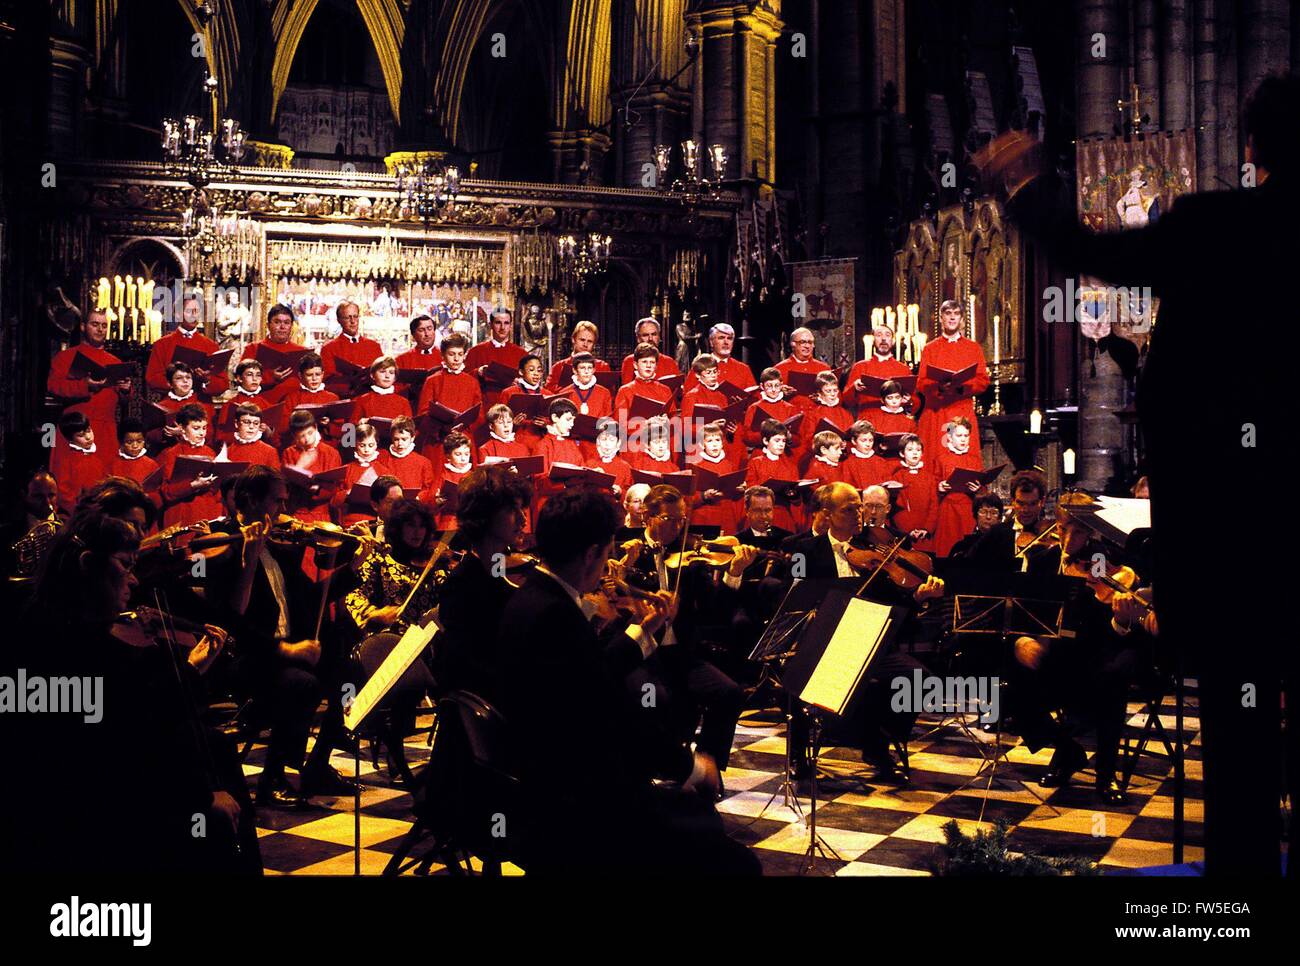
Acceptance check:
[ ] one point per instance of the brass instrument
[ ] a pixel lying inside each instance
(30, 549)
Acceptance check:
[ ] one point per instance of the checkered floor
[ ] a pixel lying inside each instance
(874, 828)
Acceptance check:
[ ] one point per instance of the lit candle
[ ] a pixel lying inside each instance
(902, 318)
(970, 314)
(1067, 462)
(914, 318)
(1035, 422)
(877, 318)
(866, 345)
(112, 318)
(119, 291)
(889, 316)
(996, 353)
(102, 294)
(920, 339)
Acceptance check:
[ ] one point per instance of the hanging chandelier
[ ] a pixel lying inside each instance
(695, 184)
(584, 258)
(425, 185)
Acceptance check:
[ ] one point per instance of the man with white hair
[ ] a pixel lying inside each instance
(647, 331)
(722, 340)
(800, 359)
(881, 365)
(350, 346)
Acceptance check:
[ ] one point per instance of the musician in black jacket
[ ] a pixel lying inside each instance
(581, 744)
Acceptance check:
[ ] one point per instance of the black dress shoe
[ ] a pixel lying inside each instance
(1067, 759)
(278, 794)
(327, 781)
(883, 763)
(1110, 792)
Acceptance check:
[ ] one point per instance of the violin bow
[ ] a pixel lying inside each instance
(884, 562)
(443, 543)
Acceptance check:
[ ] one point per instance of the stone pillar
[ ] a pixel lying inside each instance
(664, 118)
(571, 149)
(1101, 435)
(1146, 68)
(1265, 42)
(1175, 98)
(69, 61)
(1206, 92)
(1229, 151)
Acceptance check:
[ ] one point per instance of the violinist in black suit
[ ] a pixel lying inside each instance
(584, 749)
(1004, 545)
(1211, 256)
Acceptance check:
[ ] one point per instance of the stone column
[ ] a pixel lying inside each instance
(1175, 106)
(1146, 68)
(1265, 42)
(1206, 92)
(1229, 151)
(1101, 435)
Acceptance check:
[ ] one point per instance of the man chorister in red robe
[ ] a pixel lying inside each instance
(956, 510)
(94, 397)
(644, 384)
(458, 463)
(918, 500)
(368, 462)
(412, 468)
(862, 465)
(591, 398)
(80, 464)
(770, 404)
(248, 443)
(349, 345)
(192, 500)
(382, 399)
(187, 333)
(496, 348)
(454, 387)
(279, 329)
(423, 353)
(647, 333)
(712, 507)
(132, 461)
(583, 340)
(529, 383)
(309, 452)
(799, 360)
(953, 352)
(881, 365)
(722, 339)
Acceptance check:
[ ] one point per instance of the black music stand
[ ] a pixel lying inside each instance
(992, 607)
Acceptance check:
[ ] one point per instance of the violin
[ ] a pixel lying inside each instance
(904, 567)
(718, 552)
(1049, 539)
(1103, 578)
(148, 627)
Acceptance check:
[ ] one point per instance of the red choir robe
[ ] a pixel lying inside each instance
(558, 372)
(642, 460)
(956, 518)
(952, 356)
(862, 403)
(593, 401)
(262, 400)
(457, 391)
(779, 410)
(918, 502)
(648, 388)
(814, 413)
(552, 450)
(360, 353)
(762, 468)
(497, 448)
(384, 405)
(181, 502)
(268, 377)
(76, 470)
(617, 467)
(701, 395)
(444, 518)
(507, 354)
(730, 370)
(74, 394)
(823, 472)
(416, 359)
(159, 440)
(886, 423)
(139, 469)
(413, 470)
(864, 471)
(258, 452)
(810, 368)
(526, 433)
(303, 504)
(163, 351)
(348, 513)
(724, 513)
(666, 365)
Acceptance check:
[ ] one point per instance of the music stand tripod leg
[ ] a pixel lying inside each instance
(816, 844)
(789, 794)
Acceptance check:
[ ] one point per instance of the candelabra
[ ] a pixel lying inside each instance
(426, 185)
(584, 258)
(694, 185)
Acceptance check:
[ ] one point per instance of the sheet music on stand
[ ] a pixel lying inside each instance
(836, 650)
(780, 637)
(401, 657)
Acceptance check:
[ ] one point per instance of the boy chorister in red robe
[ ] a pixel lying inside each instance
(825, 405)
(131, 460)
(827, 449)
(279, 327)
(651, 448)
(180, 392)
(956, 512)
(583, 340)
(366, 459)
(607, 458)
(772, 463)
(248, 444)
(349, 345)
(771, 404)
(706, 393)
(953, 352)
(161, 353)
(890, 417)
(722, 339)
(309, 388)
(918, 500)
(80, 463)
(189, 501)
(647, 331)
(382, 400)
(413, 469)
(644, 384)
(862, 466)
(712, 507)
(86, 395)
(457, 464)
(423, 353)
(496, 348)
(309, 452)
(591, 398)
(881, 365)
(454, 387)
(502, 443)
(529, 432)
(557, 447)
